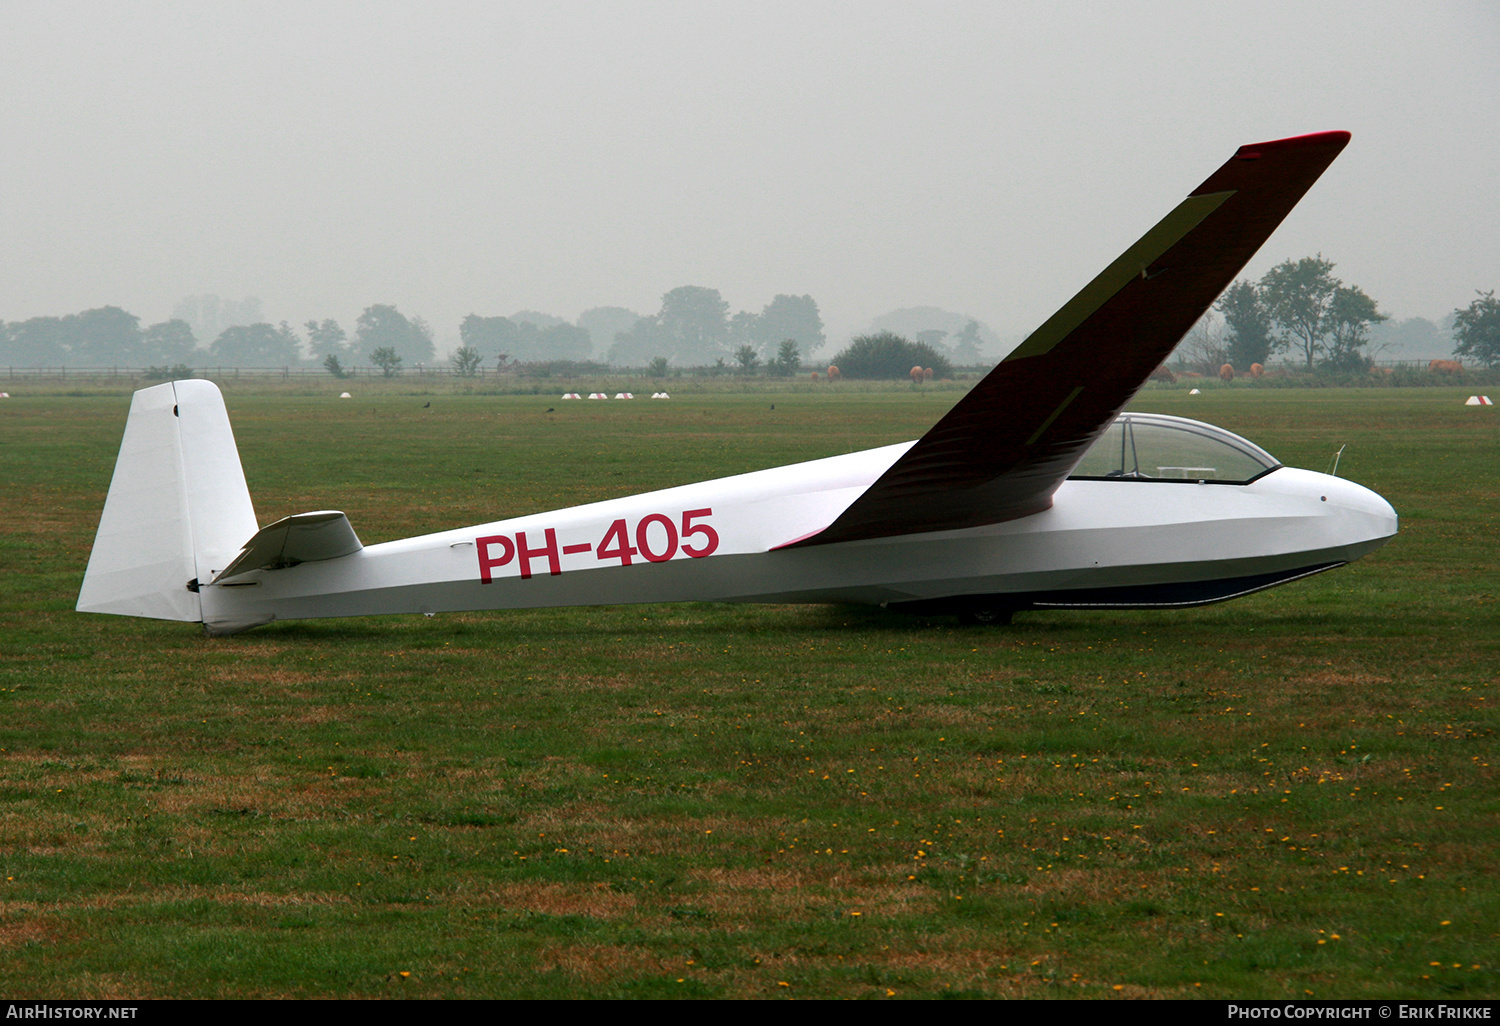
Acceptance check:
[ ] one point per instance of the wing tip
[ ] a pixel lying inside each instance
(1336, 139)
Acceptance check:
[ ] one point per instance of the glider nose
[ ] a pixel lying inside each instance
(1370, 508)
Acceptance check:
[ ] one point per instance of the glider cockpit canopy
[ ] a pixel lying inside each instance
(1157, 447)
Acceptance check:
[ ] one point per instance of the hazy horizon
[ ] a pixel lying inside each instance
(461, 158)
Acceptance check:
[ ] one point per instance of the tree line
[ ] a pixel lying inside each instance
(1301, 309)
(111, 337)
(692, 327)
(1298, 307)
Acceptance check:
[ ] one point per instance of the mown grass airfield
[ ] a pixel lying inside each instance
(1290, 795)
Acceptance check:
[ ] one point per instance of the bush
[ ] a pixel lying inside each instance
(560, 369)
(888, 356)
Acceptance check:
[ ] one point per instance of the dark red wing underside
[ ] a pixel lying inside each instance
(1011, 441)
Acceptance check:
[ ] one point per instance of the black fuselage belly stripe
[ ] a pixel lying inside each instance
(1170, 596)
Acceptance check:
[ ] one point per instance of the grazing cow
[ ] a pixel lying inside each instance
(1226, 372)
(833, 371)
(1445, 367)
(1257, 369)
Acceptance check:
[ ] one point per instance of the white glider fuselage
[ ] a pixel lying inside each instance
(722, 540)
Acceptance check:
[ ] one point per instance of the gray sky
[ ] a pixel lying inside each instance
(456, 158)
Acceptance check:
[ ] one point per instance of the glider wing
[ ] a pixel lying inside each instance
(1004, 449)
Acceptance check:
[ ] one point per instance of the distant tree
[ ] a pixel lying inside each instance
(888, 356)
(208, 315)
(466, 361)
(645, 340)
(788, 361)
(1412, 338)
(1316, 313)
(103, 337)
(603, 323)
(255, 345)
(385, 327)
(657, 368)
(695, 320)
(745, 330)
(1297, 296)
(747, 358)
(541, 320)
(326, 339)
(966, 344)
(561, 341)
(422, 337)
(1349, 317)
(908, 321)
(387, 359)
(790, 317)
(38, 342)
(332, 365)
(169, 341)
(290, 337)
(1205, 347)
(1476, 330)
(489, 335)
(1249, 324)
(932, 337)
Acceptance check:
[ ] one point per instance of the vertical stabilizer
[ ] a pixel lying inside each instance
(178, 509)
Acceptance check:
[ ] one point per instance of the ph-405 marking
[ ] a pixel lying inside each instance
(657, 539)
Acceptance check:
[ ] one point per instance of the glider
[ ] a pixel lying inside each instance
(1034, 491)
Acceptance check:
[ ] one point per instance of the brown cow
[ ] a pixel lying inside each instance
(1257, 369)
(1445, 367)
(1227, 373)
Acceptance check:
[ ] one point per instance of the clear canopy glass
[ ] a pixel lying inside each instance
(1156, 447)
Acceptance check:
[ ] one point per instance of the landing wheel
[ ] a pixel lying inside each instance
(985, 616)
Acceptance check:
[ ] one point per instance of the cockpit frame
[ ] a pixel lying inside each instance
(1161, 448)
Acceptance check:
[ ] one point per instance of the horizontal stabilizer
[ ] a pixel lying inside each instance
(300, 538)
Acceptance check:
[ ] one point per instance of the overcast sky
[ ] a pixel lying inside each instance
(456, 158)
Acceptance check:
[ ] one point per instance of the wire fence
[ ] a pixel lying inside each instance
(221, 373)
(512, 372)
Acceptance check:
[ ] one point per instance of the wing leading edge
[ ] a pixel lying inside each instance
(1004, 449)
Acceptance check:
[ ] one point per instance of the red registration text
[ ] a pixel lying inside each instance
(654, 538)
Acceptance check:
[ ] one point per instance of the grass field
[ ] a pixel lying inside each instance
(1289, 795)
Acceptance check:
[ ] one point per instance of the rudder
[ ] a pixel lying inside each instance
(178, 509)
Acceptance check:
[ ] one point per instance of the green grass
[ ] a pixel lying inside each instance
(1286, 795)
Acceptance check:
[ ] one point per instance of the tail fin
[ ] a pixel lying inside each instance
(178, 509)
